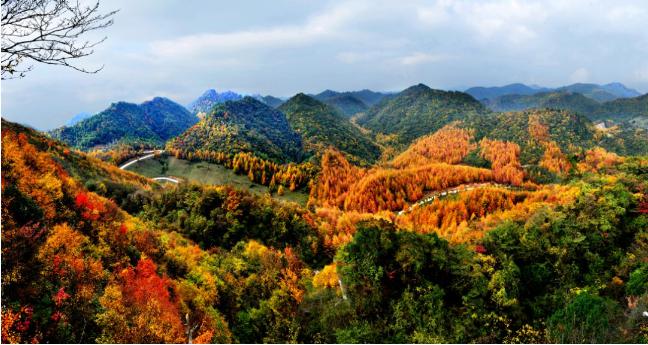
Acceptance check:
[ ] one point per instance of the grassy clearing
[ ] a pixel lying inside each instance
(207, 173)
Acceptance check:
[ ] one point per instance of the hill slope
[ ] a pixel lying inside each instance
(634, 109)
(367, 97)
(571, 131)
(482, 93)
(152, 122)
(322, 126)
(420, 110)
(270, 100)
(246, 125)
(623, 109)
(346, 104)
(558, 100)
(601, 93)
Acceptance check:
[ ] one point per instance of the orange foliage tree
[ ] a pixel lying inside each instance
(598, 158)
(554, 160)
(140, 309)
(504, 158)
(449, 145)
(337, 227)
(292, 176)
(445, 215)
(335, 178)
(393, 189)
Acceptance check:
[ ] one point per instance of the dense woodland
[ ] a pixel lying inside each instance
(150, 123)
(445, 223)
(247, 125)
(321, 126)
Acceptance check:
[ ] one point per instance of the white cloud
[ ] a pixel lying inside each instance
(580, 75)
(352, 57)
(420, 58)
(288, 46)
(326, 25)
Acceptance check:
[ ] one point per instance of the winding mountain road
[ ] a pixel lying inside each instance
(454, 190)
(150, 154)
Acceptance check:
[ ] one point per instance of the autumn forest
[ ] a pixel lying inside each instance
(514, 214)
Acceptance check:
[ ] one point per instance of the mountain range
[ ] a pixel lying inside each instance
(420, 110)
(420, 217)
(276, 130)
(600, 93)
(245, 125)
(209, 98)
(152, 122)
(350, 103)
(321, 126)
(269, 100)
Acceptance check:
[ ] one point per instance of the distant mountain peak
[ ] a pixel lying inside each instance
(211, 97)
(600, 93)
(302, 97)
(78, 118)
(420, 87)
(244, 125)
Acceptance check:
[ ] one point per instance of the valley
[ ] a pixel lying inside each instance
(206, 173)
(415, 216)
(324, 172)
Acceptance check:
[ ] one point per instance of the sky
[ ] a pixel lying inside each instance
(178, 49)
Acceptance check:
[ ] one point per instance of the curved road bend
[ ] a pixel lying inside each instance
(149, 154)
(454, 190)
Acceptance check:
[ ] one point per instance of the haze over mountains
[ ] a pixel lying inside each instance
(272, 206)
(596, 92)
(268, 125)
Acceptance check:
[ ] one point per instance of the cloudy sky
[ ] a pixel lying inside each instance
(178, 49)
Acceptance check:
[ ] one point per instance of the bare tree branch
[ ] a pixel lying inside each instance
(48, 32)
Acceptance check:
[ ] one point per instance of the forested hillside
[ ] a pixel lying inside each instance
(419, 110)
(451, 241)
(596, 92)
(152, 123)
(247, 125)
(365, 96)
(619, 110)
(624, 109)
(557, 100)
(322, 126)
(270, 100)
(349, 103)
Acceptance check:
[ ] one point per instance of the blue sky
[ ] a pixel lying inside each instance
(177, 49)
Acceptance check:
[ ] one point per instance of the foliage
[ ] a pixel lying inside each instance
(246, 125)
(475, 263)
(587, 319)
(259, 170)
(321, 126)
(419, 110)
(150, 123)
(221, 216)
(449, 145)
(504, 160)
